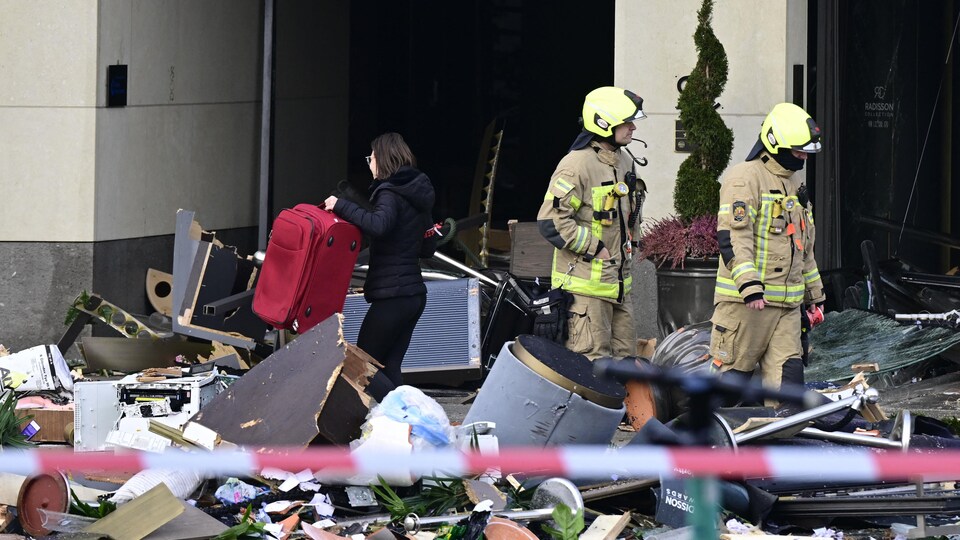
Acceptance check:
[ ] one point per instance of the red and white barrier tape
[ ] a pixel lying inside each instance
(570, 462)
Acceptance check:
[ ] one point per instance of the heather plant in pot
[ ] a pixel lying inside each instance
(672, 241)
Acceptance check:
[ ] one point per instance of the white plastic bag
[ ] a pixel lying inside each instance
(429, 425)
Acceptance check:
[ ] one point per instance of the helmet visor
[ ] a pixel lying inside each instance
(811, 147)
(635, 116)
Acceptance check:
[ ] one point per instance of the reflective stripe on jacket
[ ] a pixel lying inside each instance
(766, 237)
(571, 216)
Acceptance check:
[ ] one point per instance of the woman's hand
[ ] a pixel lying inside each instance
(330, 203)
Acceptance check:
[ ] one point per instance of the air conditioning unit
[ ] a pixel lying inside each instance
(447, 337)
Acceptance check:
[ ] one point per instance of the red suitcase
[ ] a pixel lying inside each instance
(307, 268)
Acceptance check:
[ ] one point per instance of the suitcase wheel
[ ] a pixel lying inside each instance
(307, 312)
(329, 241)
(353, 245)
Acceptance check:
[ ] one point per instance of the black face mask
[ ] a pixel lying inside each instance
(787, 161)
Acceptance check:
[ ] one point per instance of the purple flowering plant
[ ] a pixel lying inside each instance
(673, 239)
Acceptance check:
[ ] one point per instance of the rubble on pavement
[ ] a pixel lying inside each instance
(149, 389)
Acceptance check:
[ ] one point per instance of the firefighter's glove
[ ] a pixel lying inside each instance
(551, 311)
(815, 314)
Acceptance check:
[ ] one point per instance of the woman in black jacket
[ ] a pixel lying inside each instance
(402, 201)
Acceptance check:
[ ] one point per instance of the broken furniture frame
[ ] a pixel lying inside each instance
(91, 307)
(861, 397)
(199, 310)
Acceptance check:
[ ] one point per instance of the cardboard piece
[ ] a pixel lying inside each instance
(53, 423)
(141, 516)
(283, 400)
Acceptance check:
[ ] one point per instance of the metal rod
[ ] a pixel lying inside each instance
(805, 416)
(547, 496)
(464, 268)
(844, 437)
(414, 523)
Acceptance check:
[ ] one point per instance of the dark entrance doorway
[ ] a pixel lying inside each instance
(888, 101)
(438, 72)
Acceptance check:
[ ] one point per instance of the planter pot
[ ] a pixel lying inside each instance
(685, 295)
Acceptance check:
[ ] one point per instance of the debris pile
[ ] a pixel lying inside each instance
(168, 407)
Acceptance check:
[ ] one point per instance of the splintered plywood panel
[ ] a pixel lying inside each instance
(292, 397)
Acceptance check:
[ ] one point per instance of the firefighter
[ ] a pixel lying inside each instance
(590, 214)
(765, 232)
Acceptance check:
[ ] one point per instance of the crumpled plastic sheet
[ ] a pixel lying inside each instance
(235, 491)
(181, 484)
(854, 336)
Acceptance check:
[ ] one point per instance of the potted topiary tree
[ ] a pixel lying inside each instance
(688, 240)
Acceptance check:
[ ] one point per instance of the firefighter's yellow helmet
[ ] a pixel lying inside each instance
(607, 107)
(789, 126)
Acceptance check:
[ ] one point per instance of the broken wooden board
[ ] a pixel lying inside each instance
(191, 247)
(159, 287)
(872, 367)
(606, 527)
(282, 401)
(478, 491)
(141, 516)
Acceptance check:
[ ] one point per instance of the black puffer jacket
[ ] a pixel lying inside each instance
(402, 211)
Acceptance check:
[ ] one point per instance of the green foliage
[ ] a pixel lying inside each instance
(396, 506)
(247, 528)
(80, 508)
(11, 434)
(73, 312)
(697, 191)
(441, 495)
(568, 524)
(451, 532)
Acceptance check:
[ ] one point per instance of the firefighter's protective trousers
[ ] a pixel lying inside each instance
(766, 241)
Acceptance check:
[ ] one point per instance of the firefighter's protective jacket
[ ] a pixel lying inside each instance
(572, 219)
(766, 237)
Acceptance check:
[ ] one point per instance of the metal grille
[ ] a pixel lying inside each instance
(448, 333)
